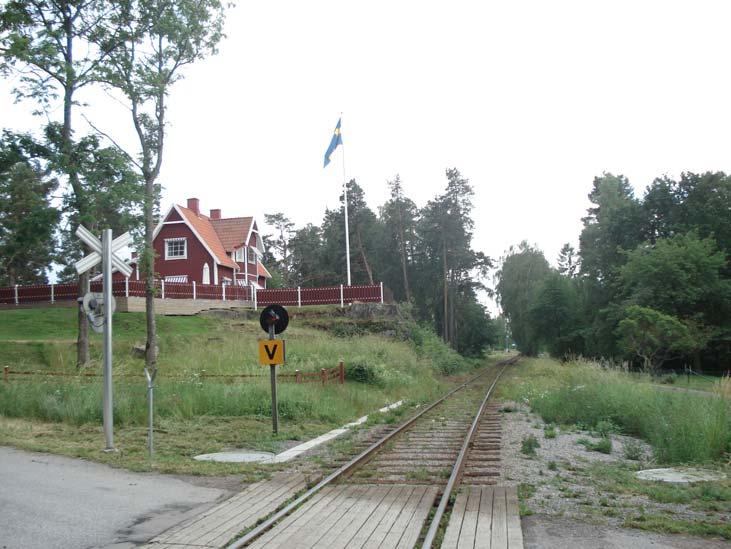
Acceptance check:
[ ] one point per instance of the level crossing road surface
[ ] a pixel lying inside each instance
(52, 501)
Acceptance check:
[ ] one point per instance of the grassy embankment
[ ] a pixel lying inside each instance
(195, 414)
(683, 428)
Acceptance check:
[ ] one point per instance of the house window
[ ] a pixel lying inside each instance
(252, 254)
(240, 255)
(206, 279)
(176, 248)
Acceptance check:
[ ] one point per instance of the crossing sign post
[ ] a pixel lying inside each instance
(103, 251)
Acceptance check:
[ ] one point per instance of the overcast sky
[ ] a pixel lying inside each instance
(528, 99)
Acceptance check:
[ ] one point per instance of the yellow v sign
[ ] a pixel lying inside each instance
(271, 351)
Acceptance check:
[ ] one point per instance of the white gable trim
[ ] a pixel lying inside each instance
(259, 244)
(192, 229)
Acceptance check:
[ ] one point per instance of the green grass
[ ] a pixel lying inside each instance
(681, 427)
(199, 414)
(603, 445)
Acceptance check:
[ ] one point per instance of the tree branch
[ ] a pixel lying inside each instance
(116, 145)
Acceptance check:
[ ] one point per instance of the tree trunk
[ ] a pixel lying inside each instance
(149, 257)
(445, 320)
(363, 255)
(402, 246)
(82, 341)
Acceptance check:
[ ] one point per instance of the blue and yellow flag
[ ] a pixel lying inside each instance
(336, 140)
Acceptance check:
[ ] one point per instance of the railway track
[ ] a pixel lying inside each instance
(400, 476)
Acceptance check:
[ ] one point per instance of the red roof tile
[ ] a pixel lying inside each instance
(232, 231)
(202, 224)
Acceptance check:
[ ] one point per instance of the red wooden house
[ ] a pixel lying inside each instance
(191, 246)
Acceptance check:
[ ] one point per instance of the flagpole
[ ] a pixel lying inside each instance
(345, 205)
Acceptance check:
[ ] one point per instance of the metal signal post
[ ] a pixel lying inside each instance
(273, 320)
(273, 381)
(107, 289)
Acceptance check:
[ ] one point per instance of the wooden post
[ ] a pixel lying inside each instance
(126, 286)
(52, 295)
(341, 372)
(194, 289)
(341, 295)
(6, 374)
(163, 287)
(381, 292)
(323, 376)
(16, 294)
(223, 289)
(299, 297)
(297, 376)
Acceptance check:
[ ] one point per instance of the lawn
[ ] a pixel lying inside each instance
(196, 414)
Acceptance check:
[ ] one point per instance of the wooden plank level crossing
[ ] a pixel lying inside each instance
(484, 517)
(218, 525)
(350, 516)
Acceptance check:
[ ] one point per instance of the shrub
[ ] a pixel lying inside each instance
(605, 427)
(359, 369)
(529, 445)
(549, 432)
(633, 449)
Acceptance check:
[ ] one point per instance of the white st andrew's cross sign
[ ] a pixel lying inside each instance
(95, 256)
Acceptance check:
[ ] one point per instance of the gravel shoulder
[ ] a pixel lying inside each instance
(564, 495)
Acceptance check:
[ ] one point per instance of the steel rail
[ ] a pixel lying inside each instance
(353, 463)
(455, 477)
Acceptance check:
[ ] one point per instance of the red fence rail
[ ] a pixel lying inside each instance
(329, 295)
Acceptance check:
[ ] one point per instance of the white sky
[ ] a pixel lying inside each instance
(528, 99)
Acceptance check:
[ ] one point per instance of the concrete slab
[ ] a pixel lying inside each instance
(680, 475)
(243, 455)
(237, 456)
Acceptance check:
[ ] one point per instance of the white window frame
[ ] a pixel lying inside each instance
(240, 255)
(252, 254)
(168, 257)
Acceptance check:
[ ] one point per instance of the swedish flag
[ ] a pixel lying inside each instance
(336, 140)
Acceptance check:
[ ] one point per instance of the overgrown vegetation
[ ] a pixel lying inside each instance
(682, 427)
(379, 370)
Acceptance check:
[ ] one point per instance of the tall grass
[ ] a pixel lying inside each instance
(379, 370)
(79, 402)
(682, 427)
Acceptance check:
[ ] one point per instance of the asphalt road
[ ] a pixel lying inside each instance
(52, 501)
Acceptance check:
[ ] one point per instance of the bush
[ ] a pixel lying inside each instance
(529, 445)
(361, 370)
(633, 450)
(605, 427)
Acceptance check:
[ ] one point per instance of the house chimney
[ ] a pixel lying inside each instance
(193, 204)
(216, 214)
